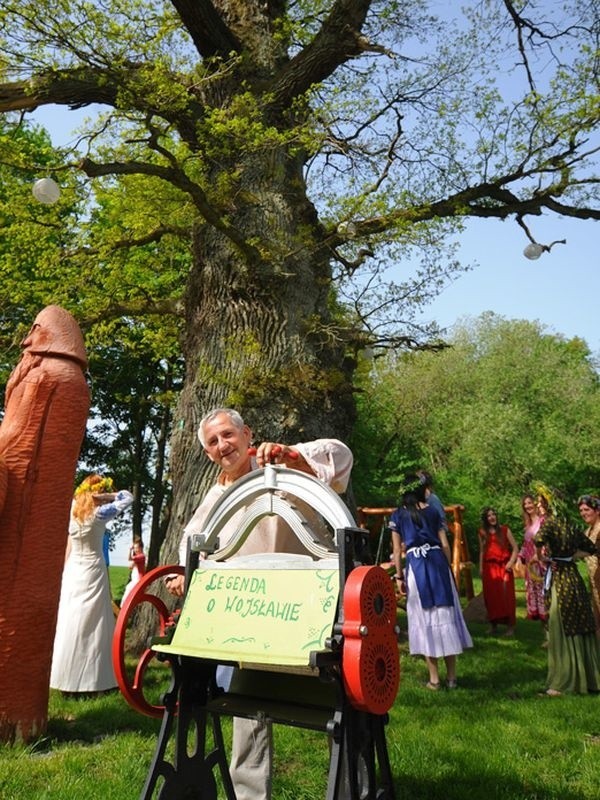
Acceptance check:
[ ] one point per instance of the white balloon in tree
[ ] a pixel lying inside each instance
(533, 251)
(46, 191)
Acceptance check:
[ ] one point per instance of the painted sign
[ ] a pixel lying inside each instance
(268, 616)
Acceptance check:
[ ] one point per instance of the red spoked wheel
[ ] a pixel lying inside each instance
(132, 688)
(370, 659)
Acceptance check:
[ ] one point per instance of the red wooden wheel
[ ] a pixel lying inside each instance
(370, 660)
(133, 688)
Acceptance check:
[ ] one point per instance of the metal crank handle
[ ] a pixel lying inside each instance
(293, 454)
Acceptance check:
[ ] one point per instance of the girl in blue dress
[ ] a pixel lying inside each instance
(436, 627)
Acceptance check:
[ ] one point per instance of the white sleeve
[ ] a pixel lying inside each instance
(196, 523)
(330, 460)
(123, 500)
(108, 511)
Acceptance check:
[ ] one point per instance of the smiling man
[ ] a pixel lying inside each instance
(226, 440)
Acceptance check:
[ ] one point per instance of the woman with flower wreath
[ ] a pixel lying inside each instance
(82, 661)
(535, 569)
(573, 650)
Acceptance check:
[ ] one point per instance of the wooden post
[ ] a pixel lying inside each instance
(461, 561)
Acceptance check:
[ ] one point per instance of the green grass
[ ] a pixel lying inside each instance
(494, 737)
(118, 576)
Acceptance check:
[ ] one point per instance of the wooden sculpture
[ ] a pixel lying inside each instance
(46, 408)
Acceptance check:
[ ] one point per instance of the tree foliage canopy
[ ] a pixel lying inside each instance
(406, 122)
(52, 255)
(507, 404)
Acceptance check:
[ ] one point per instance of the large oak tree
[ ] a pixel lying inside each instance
(304, 149)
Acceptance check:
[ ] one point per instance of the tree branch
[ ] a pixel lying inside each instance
(206, 26)
(74, 88)
(474, 202)
(82, 86)
(140, 307)
(180, 180)
(122, 244)
(339, 40)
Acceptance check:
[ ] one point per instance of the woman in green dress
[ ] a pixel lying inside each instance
(573, 651)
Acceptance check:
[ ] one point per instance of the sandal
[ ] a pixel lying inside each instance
(432, 686)
(451, 684)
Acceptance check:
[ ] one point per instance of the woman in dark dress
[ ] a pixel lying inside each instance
(573, 653)
(436, 627)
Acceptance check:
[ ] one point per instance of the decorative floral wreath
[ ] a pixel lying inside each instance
(591, 500)
(540, 489)
(103, 486)
(554, 499)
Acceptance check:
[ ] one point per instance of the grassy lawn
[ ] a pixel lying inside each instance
(494, 737)
(118, 580)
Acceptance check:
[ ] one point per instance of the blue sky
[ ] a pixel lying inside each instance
(561, 289)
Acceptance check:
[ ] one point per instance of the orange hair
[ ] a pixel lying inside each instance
(83, 505)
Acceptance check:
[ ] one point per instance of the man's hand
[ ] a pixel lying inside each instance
(273, 453)
(276, 453)
(174, 585)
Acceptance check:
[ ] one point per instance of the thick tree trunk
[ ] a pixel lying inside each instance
(160, 502)
(255, 334)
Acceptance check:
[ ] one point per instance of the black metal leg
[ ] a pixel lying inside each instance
(387, 791)
(159, 767)
(191, 776)
(358, 748)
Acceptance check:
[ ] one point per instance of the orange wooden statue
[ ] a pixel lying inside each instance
(46, 408)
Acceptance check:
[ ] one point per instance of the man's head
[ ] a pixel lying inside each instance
(226, 439)
(234, 416)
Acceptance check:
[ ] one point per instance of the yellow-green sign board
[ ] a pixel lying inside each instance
(262, 616)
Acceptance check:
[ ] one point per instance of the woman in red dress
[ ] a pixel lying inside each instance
(498, 552)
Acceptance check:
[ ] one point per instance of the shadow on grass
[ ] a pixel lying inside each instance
(91, 719)
(512, 666)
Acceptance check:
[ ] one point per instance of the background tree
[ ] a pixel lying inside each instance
(133, 396)
(32, 234)
(302, 144)
(506, 404)
(58, 254)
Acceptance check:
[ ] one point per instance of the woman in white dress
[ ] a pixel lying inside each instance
(82, 660)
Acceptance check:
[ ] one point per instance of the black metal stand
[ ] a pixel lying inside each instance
(359, 767)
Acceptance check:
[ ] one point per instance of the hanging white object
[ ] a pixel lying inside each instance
(46, 191)
(533, 251)
(347, 230)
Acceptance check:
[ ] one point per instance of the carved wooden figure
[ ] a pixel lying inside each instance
(46, 408)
